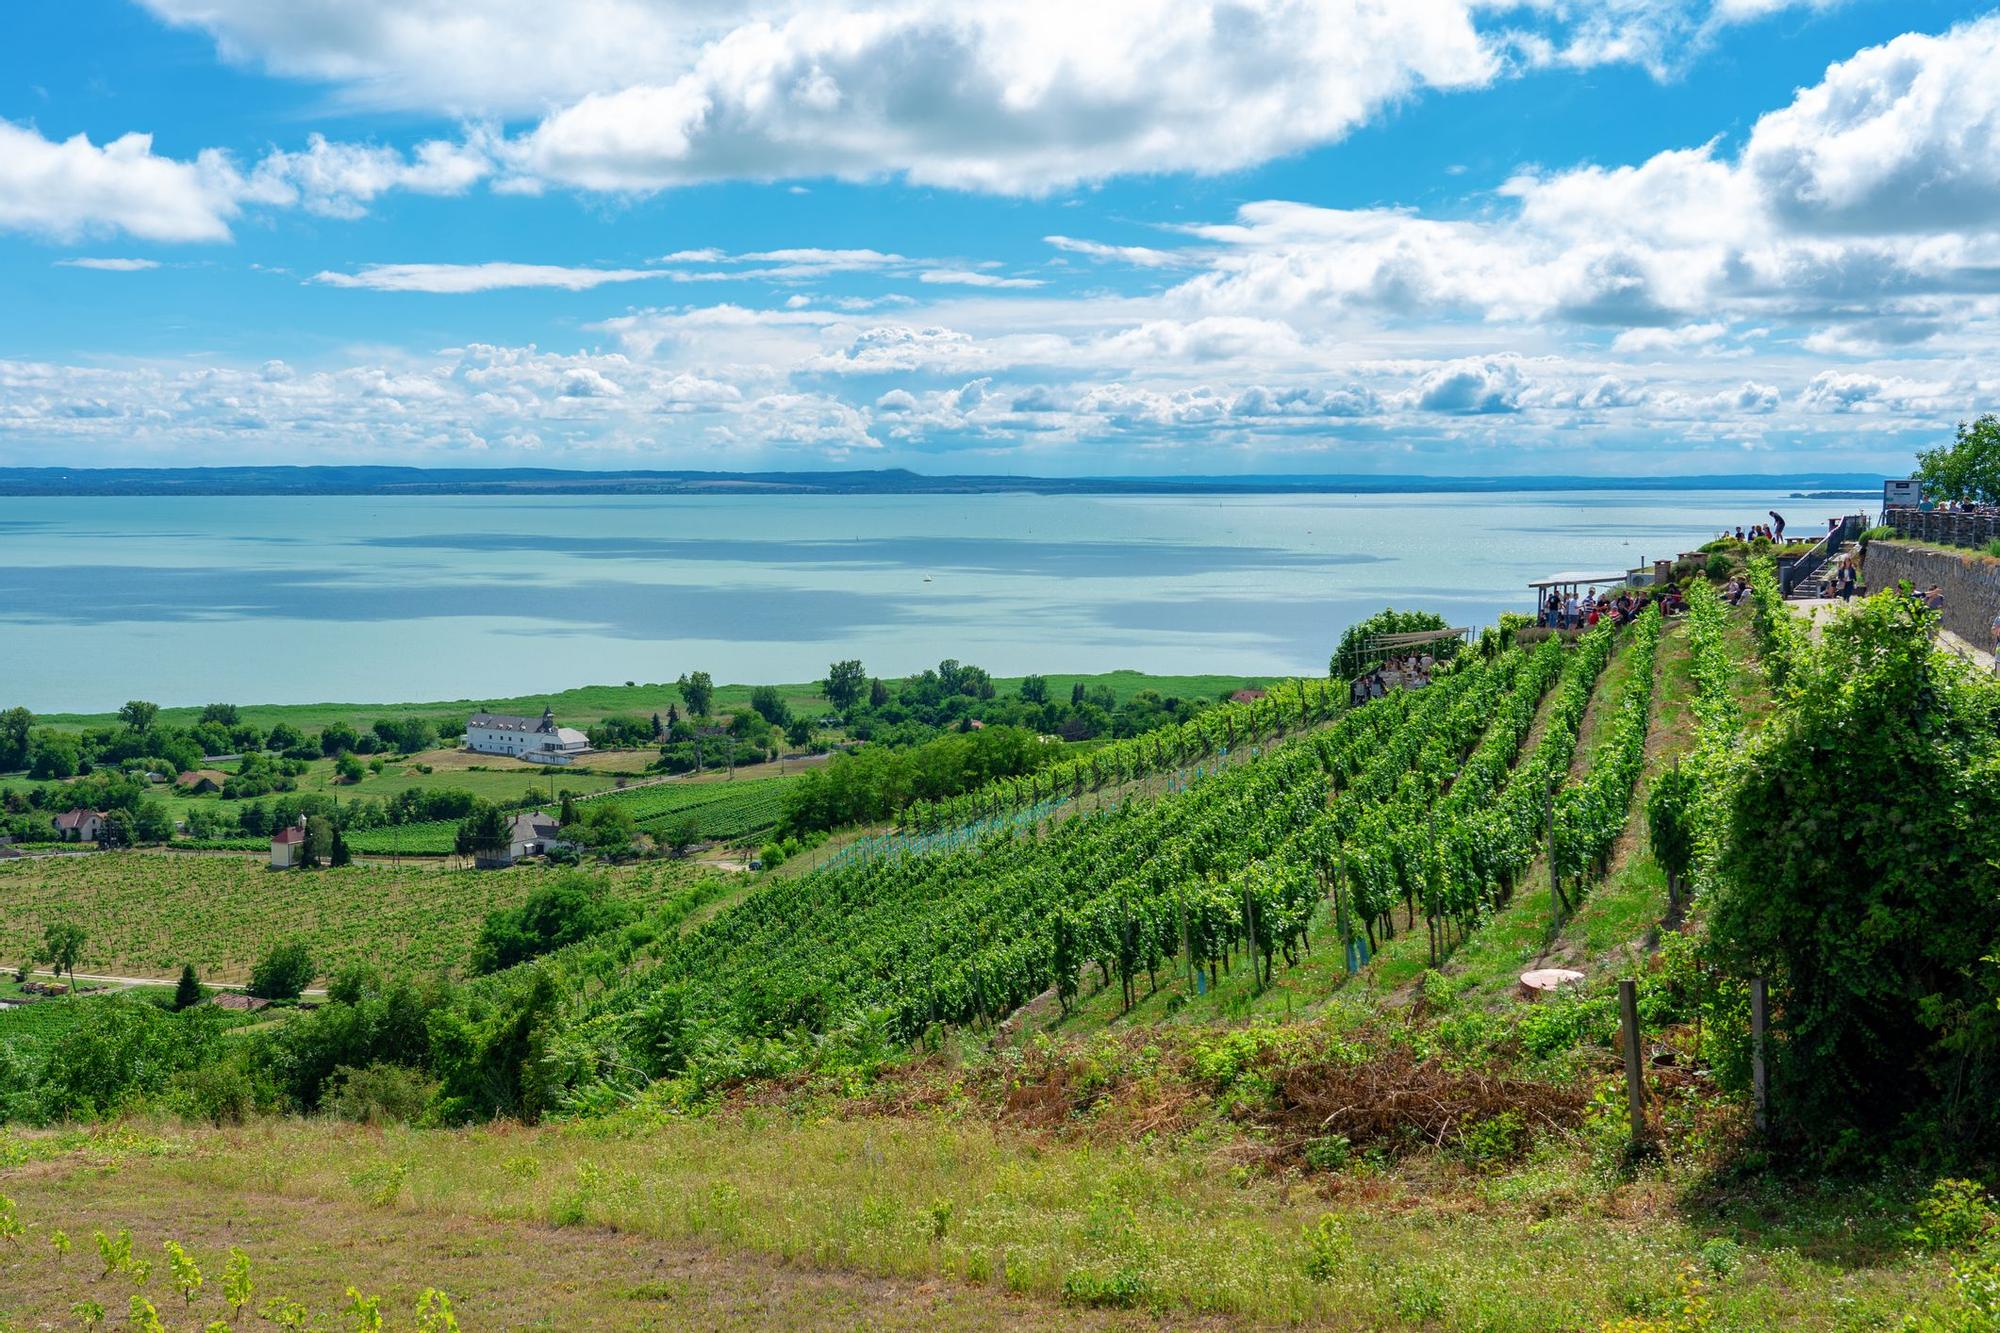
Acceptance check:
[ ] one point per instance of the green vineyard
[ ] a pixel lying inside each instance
(1422, 806)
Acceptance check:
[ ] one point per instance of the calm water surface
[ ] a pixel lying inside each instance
(187, 599)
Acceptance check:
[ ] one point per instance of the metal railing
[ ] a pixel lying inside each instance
(1798, 571)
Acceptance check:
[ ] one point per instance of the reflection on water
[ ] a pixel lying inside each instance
(190, 599)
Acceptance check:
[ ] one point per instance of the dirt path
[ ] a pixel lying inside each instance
(499, 1275)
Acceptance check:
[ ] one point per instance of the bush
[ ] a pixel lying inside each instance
(571, 908)
(1718, 568)
(283, 973)
(1856, 876)
(380, 1094)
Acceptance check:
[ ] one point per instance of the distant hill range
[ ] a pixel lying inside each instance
(558, 481)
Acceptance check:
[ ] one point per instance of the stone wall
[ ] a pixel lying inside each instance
(1971, 583)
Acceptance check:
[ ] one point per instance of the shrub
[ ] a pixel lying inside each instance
(1856, 876)
(1718, 567)
(1954, 1215)
(380, 1094)
(284, 972)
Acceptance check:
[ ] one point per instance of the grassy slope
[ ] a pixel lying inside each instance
(499, 1274)
(798, 1198)
(588, 703)
(145, 914)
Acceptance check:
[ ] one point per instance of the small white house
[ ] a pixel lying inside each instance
(80, 825)
(288, 846)
(536, 740)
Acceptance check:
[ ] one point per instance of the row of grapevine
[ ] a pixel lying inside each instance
(1591, 812)
(1781, 636)
(1293, 705)
(1684, 810)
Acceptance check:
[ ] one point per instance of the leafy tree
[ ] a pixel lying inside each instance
(1969, 467)
(878, 693)
(223, 715)
(699, 691)
(336, 737)
(118, 829)
(284, 736)
(406, 735)
(608, 827)
(62, 945)
(1076, 694)
(348, 768)
(319, 839)
(138, 715)
(683, 833)
(771, 705)
(1035, 689)
(844, 684)
(53, 754)
(484, 832)
(284, 972)
(571, 908)
(15, 725)
(188, 993)
(1350, 658)
(151, 822)
(799, 732)
(568, 817)
(1857, 876)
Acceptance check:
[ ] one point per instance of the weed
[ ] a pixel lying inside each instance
(1722, 1256)
(1120, 1290)
(1956, 1213)
(1327, 1247)
(1331, 1153)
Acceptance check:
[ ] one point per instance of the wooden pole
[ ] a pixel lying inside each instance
(1759, 1076)
(1635, 1076)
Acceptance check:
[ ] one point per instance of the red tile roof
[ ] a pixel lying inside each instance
(284, 837)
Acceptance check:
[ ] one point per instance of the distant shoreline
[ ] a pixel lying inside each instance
(388, 481)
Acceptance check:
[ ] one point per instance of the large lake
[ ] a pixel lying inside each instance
(186, 600)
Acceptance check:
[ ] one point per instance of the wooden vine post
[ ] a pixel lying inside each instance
(1635, 1076)
(1760, 1083)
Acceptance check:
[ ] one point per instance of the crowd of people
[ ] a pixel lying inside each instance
(1568, 611)
(1411, 671)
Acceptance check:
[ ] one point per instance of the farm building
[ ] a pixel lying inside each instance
(248, 1004)
(537, 740)
(80, 825)
(197, 781)
(288, 846)
(531, 833)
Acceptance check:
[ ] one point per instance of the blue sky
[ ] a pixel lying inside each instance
(1447, 236)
